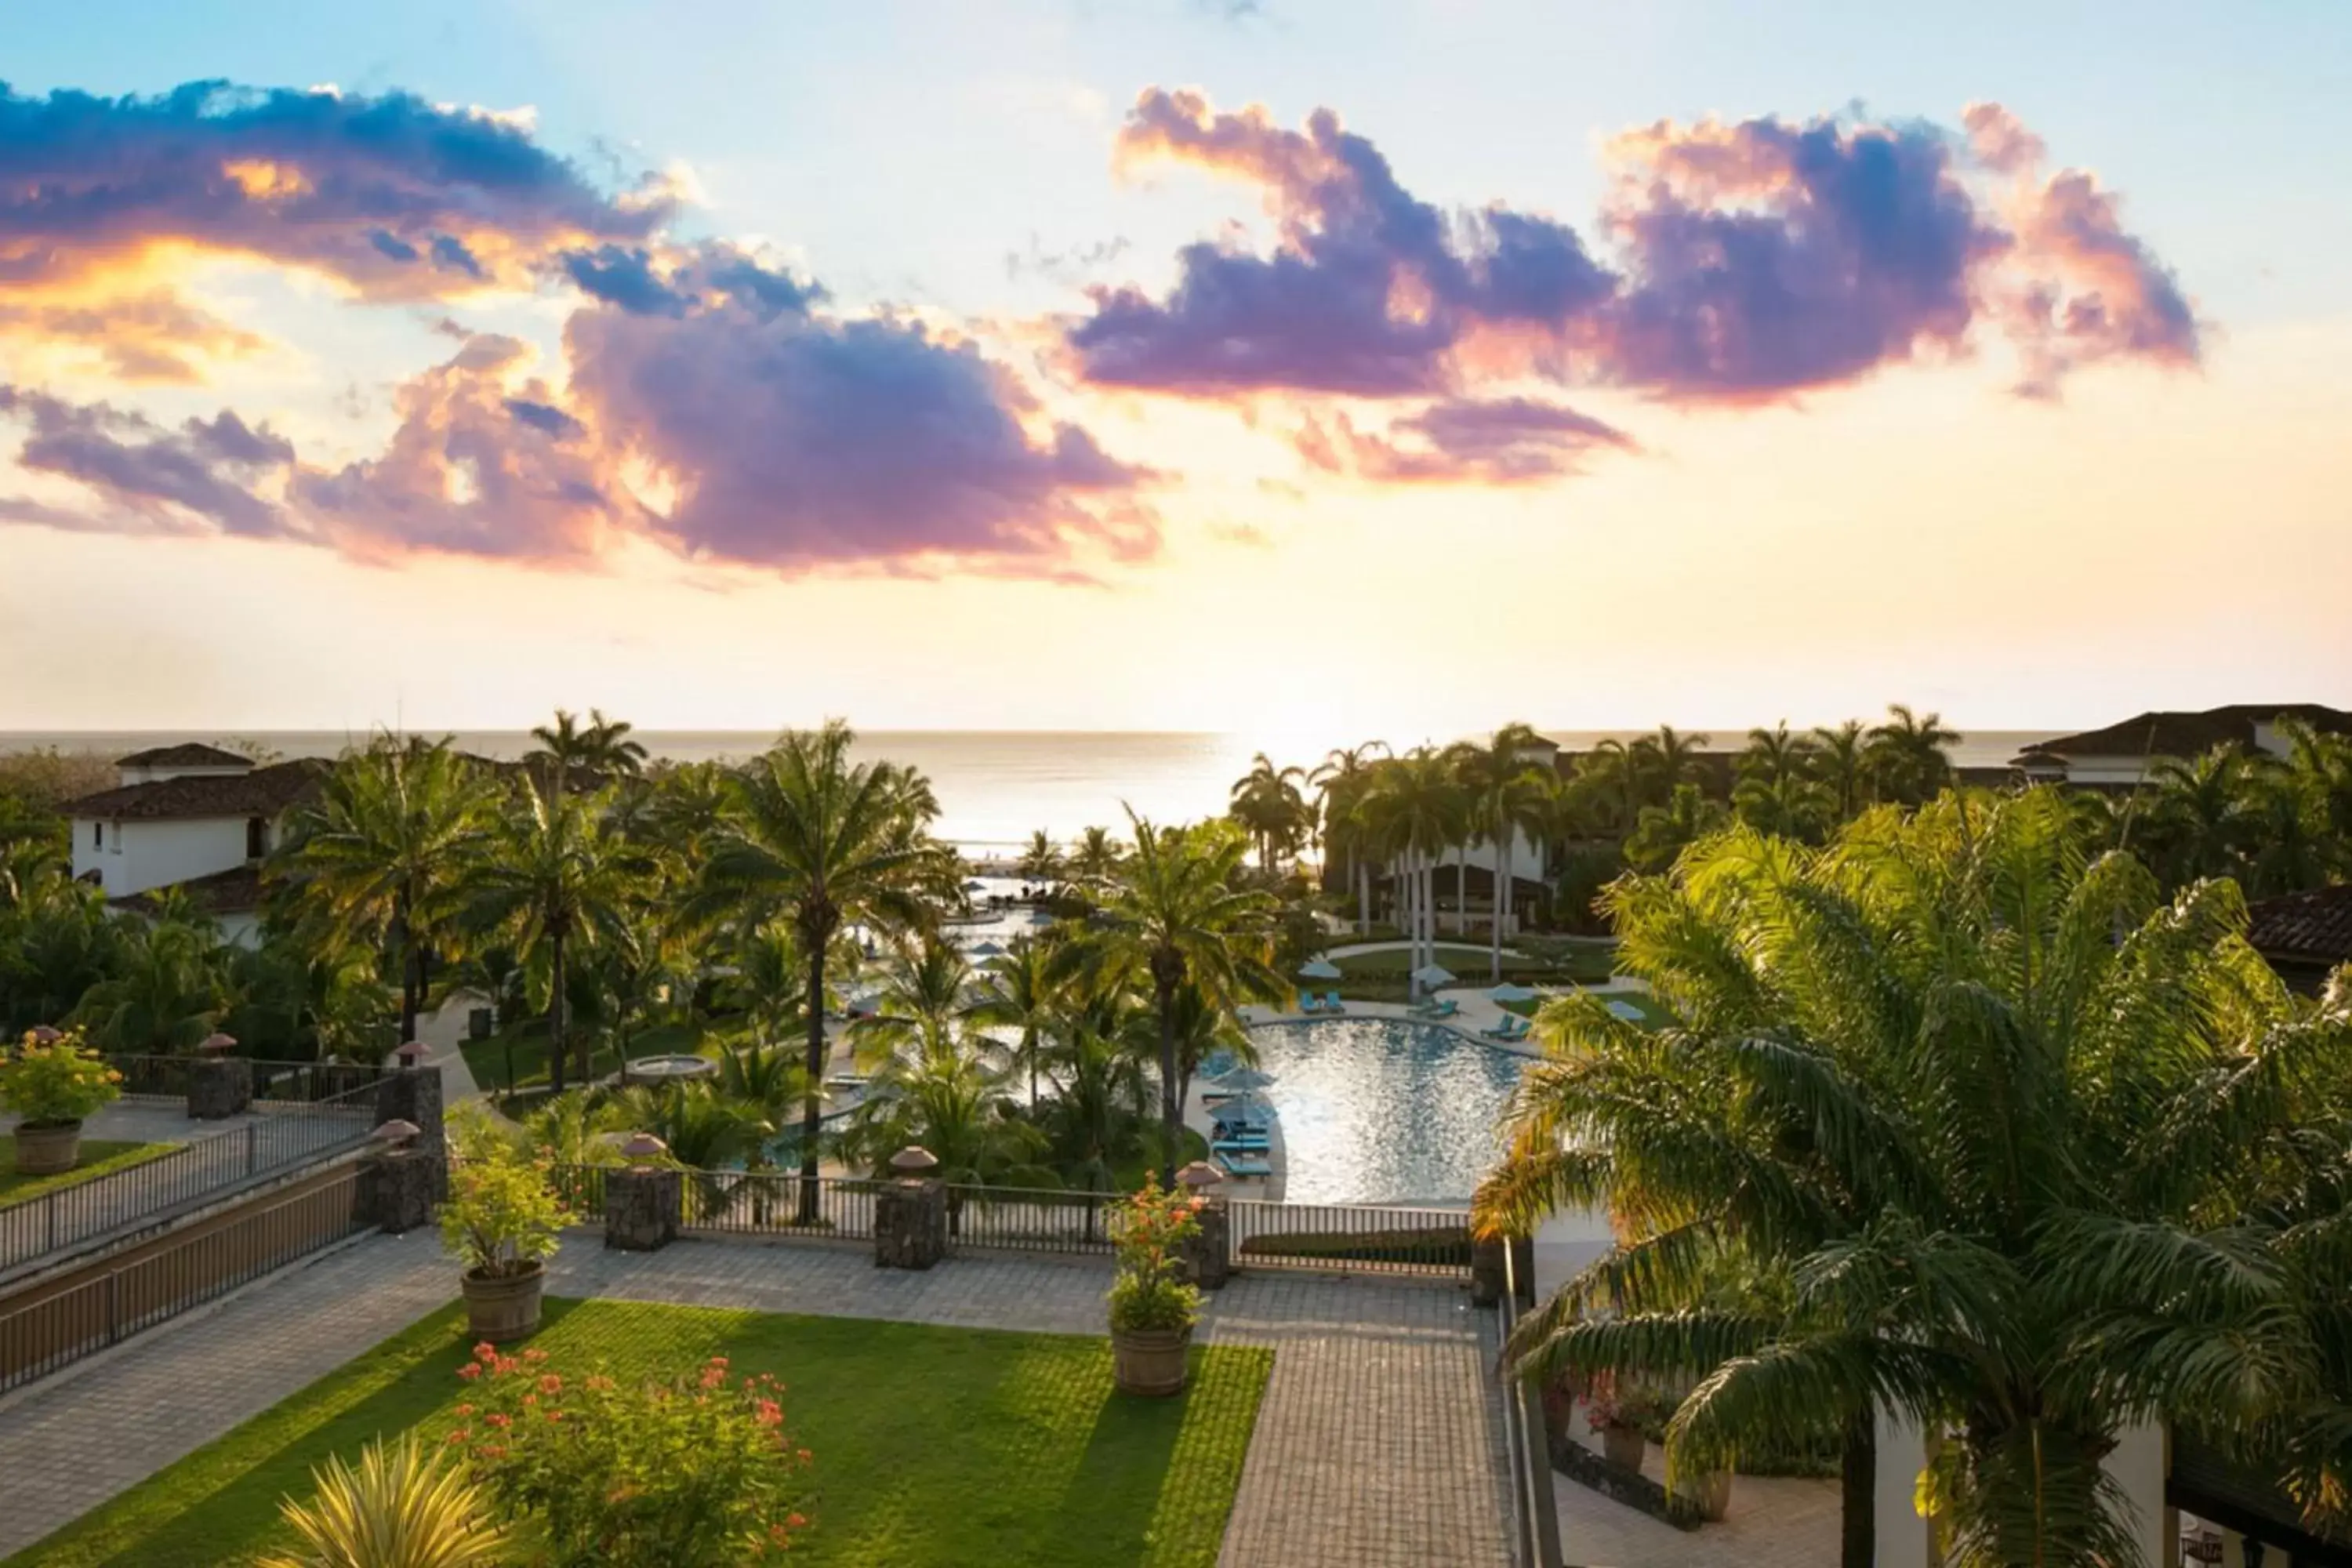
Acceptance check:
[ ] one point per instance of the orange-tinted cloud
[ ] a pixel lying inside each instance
(1498, 441)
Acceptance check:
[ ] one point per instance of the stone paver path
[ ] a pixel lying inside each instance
(1775, 1521)
(1379, 1444)
(70, 1442)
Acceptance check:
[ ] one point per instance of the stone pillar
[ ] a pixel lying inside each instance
(412, 1094)
(1208, 1257)
(1486, 1258)
(398, 1188)
(910, 1225)
(219, 1088)
(642, 1204)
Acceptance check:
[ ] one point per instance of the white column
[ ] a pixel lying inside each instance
(1904, 1539)
(2139, 1466)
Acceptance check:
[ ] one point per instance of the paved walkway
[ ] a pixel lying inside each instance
(1774, 1521)
(1379, 1444)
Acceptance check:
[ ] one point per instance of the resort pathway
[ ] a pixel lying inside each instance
(1775, 1521)
(1379, 1444)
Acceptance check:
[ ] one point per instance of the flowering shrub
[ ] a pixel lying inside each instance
(503, 1217)
(1149, 1291)
(55, 1081)
(698, 1473)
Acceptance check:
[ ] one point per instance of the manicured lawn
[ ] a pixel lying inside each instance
(517, 1060)
(98, 1155)
(1653, 1014)
(934, 1447)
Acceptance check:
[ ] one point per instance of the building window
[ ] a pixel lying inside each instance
(253, 832)
(97, 836)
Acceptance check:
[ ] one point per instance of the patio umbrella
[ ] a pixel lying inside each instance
(975, 886)
(1318, 968)
(987, 950)
(1508, 991)
(1246, 1080)
(1433, 975)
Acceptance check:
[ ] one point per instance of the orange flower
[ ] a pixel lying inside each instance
(470, 1370)
(550, 1384)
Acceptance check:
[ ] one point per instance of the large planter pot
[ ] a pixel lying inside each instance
(1623, 1446)
(1711, 1494)
(500, 1309)
(1148, 1360)
(45, 1151)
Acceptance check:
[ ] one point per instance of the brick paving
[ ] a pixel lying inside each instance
(1774, 1521)
(1379, 1444)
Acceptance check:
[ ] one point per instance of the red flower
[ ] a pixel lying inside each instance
(470, 1370)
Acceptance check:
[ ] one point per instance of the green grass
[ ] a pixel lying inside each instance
(516, 1060)
(99, 1156)
(934, 1447)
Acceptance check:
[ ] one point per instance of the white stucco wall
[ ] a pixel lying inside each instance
(143, 854)
(2139, 1466)
(1903, 1538)
(242, 929)
(1565, 1244)
(2107, 770)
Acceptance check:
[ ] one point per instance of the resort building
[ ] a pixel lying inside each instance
(2303, 935)
(2123, 755)
(193, 818)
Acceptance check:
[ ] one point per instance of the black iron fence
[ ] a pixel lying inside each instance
(779, 1203)
(166, 1078)
(277, 1137)
(1029, 1220)
(60, 1322)
(1351, 1238)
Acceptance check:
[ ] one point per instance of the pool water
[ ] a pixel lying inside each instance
(1382, 1111)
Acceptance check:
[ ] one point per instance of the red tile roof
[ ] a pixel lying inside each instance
(188, 754)
(264, 792)
(2170, 734)
(234, 891)
(2315, 927)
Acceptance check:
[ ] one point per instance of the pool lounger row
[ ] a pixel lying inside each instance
(1244, 1165)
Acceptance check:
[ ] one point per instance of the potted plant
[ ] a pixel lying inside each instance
(1152, 1308)
(502, 1221)
(53, 1082)
(1609, 1412)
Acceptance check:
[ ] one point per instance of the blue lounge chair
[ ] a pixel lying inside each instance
(1512, 1028)
(1242, 1166)
(1240, 1146)
(1241, 1120)
(1332, 1003)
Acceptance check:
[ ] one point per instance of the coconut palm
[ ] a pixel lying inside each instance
(166, 992)
(1950, 1121)
(554, 881)
(1017, 992)
(1791, 803)
(1094, 859)
(1267, 802)
(818, 841)
(1662, 763)
(954, 1102)
(1178, 917)
(924, 1003)
(378, 858)
(1340, 782)
(1416, 807)
(1664, 831)
(1840, 759)
(1910, 756)
(1041, 860)
(600, 749)
(1506, 794)
(56, 940)
(2195, 814)
(1774, 755)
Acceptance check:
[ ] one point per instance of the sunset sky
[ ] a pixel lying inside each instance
(1305, 370)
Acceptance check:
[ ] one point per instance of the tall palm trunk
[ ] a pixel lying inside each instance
(1171, 1115)
(810, 1112)
(1363, 880)
(1496, 904)
(1857, 1487)
(412, 967)
(555, 1016)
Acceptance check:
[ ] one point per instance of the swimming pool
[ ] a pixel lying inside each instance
(1384, 1111)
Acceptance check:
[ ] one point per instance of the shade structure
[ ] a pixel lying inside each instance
(1508, 992)
(1246, 1079)
(988, 949)
(1318, 968)
(1434, 975)
(1625, 1010)
(975, 886)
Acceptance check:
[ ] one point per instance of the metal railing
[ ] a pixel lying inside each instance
(1534, 1516)
(779, 1203)
(166, 1078)
(63, 1325)
(278, 1138)
(1028, 1219)
(1350, 1239)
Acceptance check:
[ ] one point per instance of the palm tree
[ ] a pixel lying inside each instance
(1042, 861)
(1017, 992)
(820, 841)
(1266, 801)
(1665, 831)
(1340, 782)
(1506, 794)
(1910, 756)
(1416, 807)
(553, 880)
(2196, 813)
(952, 1103)
(166, 992)
(378, 858)
(1094, 859)
(1839, 758)
(1660, 763)
(923, 1004)
(1774, 755)
(601, 748)
(1952, 1122)
(1178, 916)
(1791, 802)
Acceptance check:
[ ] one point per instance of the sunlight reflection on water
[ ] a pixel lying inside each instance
(1380, 1111)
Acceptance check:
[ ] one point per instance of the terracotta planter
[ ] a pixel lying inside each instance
(46, 1150)
(1623, 1446)
(1711, 1494)
(1148, 1360)
(499, 1310)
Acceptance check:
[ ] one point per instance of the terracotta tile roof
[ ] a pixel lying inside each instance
(2171, 734)
(2310, 927)
(264, 792)
(234, 891)
(189, 754)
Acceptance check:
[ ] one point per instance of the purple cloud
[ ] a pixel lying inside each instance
(203, 475)
(1744, 262)
(1498, 441)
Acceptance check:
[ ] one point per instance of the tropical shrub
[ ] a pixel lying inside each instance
(1150, 1291)
(55, 1081)
(503, 1216)
(405, 1507)
(695, 1472)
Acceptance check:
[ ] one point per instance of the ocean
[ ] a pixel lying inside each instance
(995, 788)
